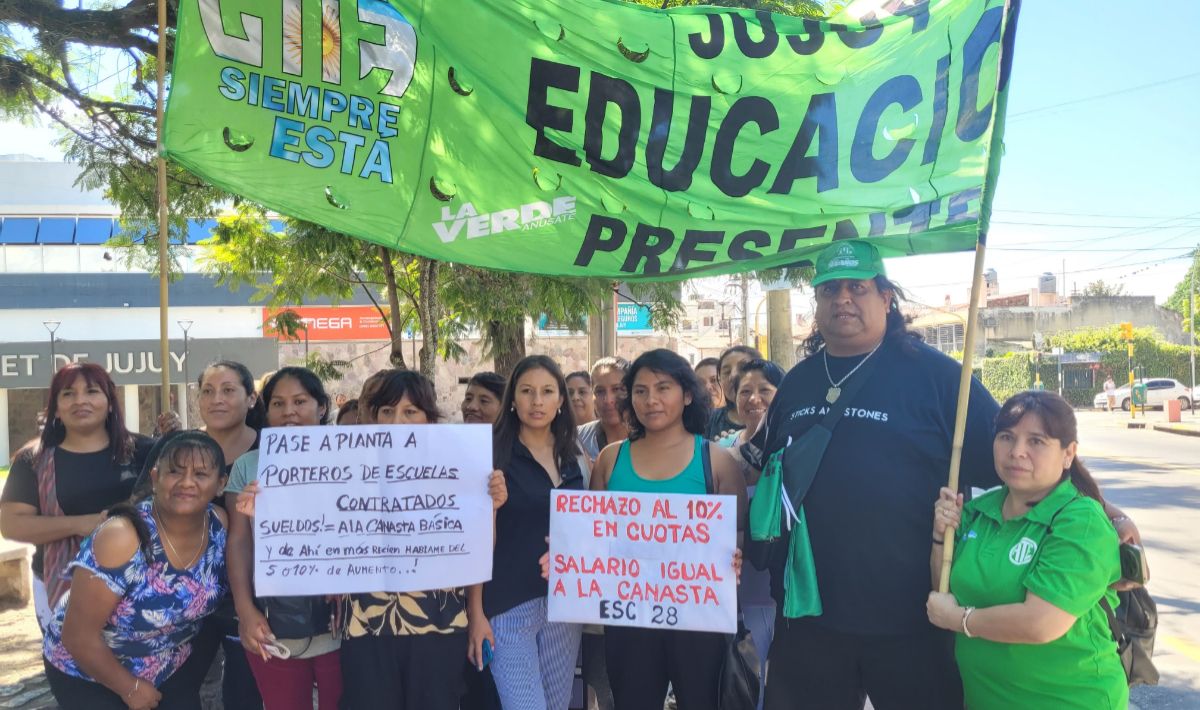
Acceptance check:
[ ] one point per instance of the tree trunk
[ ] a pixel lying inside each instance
(508, 344)
(396, 326)
(429, 313)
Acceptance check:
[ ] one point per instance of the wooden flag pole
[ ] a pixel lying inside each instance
(964, 394)
(1000, 107)
(163, 237)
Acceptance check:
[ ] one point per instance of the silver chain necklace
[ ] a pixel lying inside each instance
(835, 388)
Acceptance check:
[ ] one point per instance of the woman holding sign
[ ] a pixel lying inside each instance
(535, 447)
(667, 410)
(306, 651)
(404, 650)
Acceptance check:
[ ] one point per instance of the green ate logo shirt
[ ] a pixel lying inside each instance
(1065, 551)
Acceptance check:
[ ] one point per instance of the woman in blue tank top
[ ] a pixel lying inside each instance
(667, 410)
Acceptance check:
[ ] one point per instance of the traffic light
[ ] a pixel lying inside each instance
(1127, 331)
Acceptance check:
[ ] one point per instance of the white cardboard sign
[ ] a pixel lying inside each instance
(375, 508)
(641, 559)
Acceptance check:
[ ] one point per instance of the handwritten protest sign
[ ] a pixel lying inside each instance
(372, 508)
(640, 559)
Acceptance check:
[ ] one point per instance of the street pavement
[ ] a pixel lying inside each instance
(1154, 476)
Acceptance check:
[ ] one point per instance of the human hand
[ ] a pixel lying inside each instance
(944, 611)
(168, 422)
(478, 629)
(1127, 531)
(87, 524)
(245, 500)
(497, 489)
(254, 631)
(947, 513)
(737, 565)
(144, 696)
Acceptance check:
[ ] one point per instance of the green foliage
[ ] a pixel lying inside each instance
(1180, 300)
(1008, 375)
(1102, 289)
(326, 370)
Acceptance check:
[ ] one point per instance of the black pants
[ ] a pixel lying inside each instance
(479, 689)
(179, 692)
(417, 672)
(595, 671)
(238, 689)
(642, 662)
(814, 667)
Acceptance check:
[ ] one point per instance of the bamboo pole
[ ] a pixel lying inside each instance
(1012, 9)
(163, 236)
(964, 394)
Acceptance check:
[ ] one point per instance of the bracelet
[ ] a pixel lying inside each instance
(136, 682)
(1120, 519)
(938, 542)
(967, 615)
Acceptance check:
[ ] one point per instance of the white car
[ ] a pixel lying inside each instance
(1158, 391)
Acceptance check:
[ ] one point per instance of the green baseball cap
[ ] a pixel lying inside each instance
(848, 259)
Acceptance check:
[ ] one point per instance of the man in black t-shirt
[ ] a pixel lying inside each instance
(869, 510)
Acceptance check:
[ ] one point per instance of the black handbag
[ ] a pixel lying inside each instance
(738, 683)
(296, 617)
(1133, 626)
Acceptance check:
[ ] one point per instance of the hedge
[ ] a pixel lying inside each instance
(1008, 374)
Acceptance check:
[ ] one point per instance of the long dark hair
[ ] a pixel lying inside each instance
(307, 379)
(388, 387)
(671, 364)
(1058, 418)
(256, 416)
(120, 441)
(171, 449)
(508, 426)
(897, 323)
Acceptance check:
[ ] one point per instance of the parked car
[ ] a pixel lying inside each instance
(1158, 391)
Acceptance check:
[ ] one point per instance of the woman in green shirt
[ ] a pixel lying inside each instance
(1033, 560)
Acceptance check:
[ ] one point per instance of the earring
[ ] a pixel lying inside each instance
(560, 410)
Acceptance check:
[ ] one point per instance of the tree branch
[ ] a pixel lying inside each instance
(128, 27)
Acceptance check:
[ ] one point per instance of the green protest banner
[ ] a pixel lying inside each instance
(599, 138)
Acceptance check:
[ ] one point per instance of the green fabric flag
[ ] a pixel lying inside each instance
(599, 138)
(801, 593)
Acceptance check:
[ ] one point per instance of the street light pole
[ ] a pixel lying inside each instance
(52, 325)
(186, 325)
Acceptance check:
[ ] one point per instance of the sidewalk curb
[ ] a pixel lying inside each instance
(1173, 429)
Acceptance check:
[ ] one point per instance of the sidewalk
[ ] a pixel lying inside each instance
(22, 681)
(1184, 428)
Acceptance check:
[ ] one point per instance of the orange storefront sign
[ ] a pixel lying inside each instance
(325, 323)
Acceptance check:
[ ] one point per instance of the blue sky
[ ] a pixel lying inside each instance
(1127, 165)
(1119, 173)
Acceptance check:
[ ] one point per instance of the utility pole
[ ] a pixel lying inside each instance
(745, 310)
(779, 326)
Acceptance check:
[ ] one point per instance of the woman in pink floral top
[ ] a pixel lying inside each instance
(141, 585)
